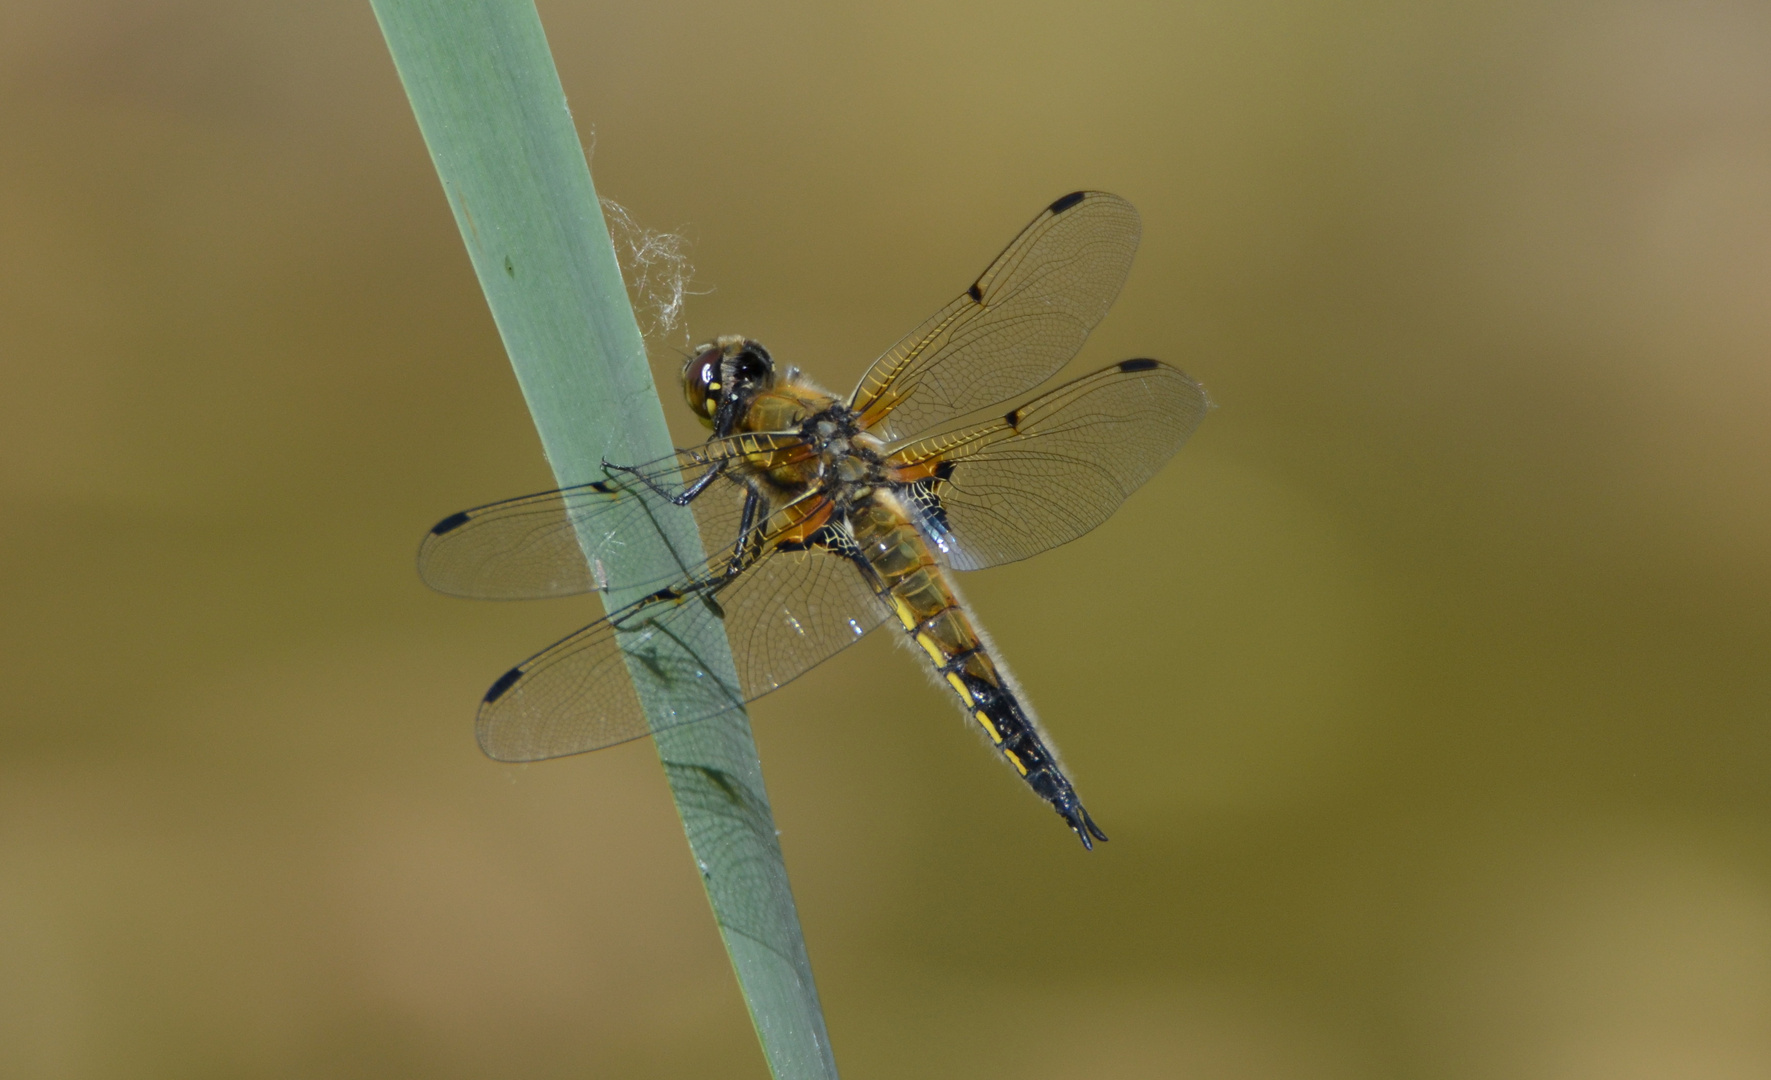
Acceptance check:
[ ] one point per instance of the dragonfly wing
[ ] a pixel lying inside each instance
(796, 605)
(559, 543)
(1052, 469)
(1021, 321)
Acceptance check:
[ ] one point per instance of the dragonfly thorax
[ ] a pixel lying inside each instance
(846, 454)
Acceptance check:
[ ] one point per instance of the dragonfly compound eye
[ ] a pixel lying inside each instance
(753, 365)
(701, 383)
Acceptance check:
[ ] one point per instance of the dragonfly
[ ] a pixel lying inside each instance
(829, 516)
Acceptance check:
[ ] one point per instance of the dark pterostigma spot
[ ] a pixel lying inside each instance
(1068, 201)
(1137, 365)
(449, 524)
(975, 293)
(601, 485)
(509, 267)
(504, 683)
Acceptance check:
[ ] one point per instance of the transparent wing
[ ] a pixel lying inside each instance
(1021, 321)
(528, 548)
(1052, 469)
(795, 607)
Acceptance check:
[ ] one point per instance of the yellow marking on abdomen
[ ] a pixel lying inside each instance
(995, 735)
(933, 648)
(959, 687)
(1010, 754)
(905, 615)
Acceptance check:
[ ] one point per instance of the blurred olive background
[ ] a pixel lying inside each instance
(1424, 695)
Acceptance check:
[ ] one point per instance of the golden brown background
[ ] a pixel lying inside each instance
(1425, 695)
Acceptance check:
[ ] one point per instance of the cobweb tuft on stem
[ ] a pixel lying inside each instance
(656, 266)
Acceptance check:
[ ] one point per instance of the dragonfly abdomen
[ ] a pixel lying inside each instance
(913, 585)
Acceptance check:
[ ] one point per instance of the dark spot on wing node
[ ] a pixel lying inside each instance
(504, 683)
(449, 524)
(1068, 201)
(1137, 365)
(1014, 418)
(975, 293)
(944, 470)
(602, 486)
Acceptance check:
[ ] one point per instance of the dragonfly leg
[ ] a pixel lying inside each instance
(682, 498)
(744, 553)
(747, 528)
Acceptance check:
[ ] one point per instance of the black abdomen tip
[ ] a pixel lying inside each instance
(449, 524)
(1068, 201)
(504, 683)
(1137, 365)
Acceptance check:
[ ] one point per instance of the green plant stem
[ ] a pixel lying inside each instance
(488, 100)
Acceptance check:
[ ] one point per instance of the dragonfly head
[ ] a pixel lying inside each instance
(722, 376)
